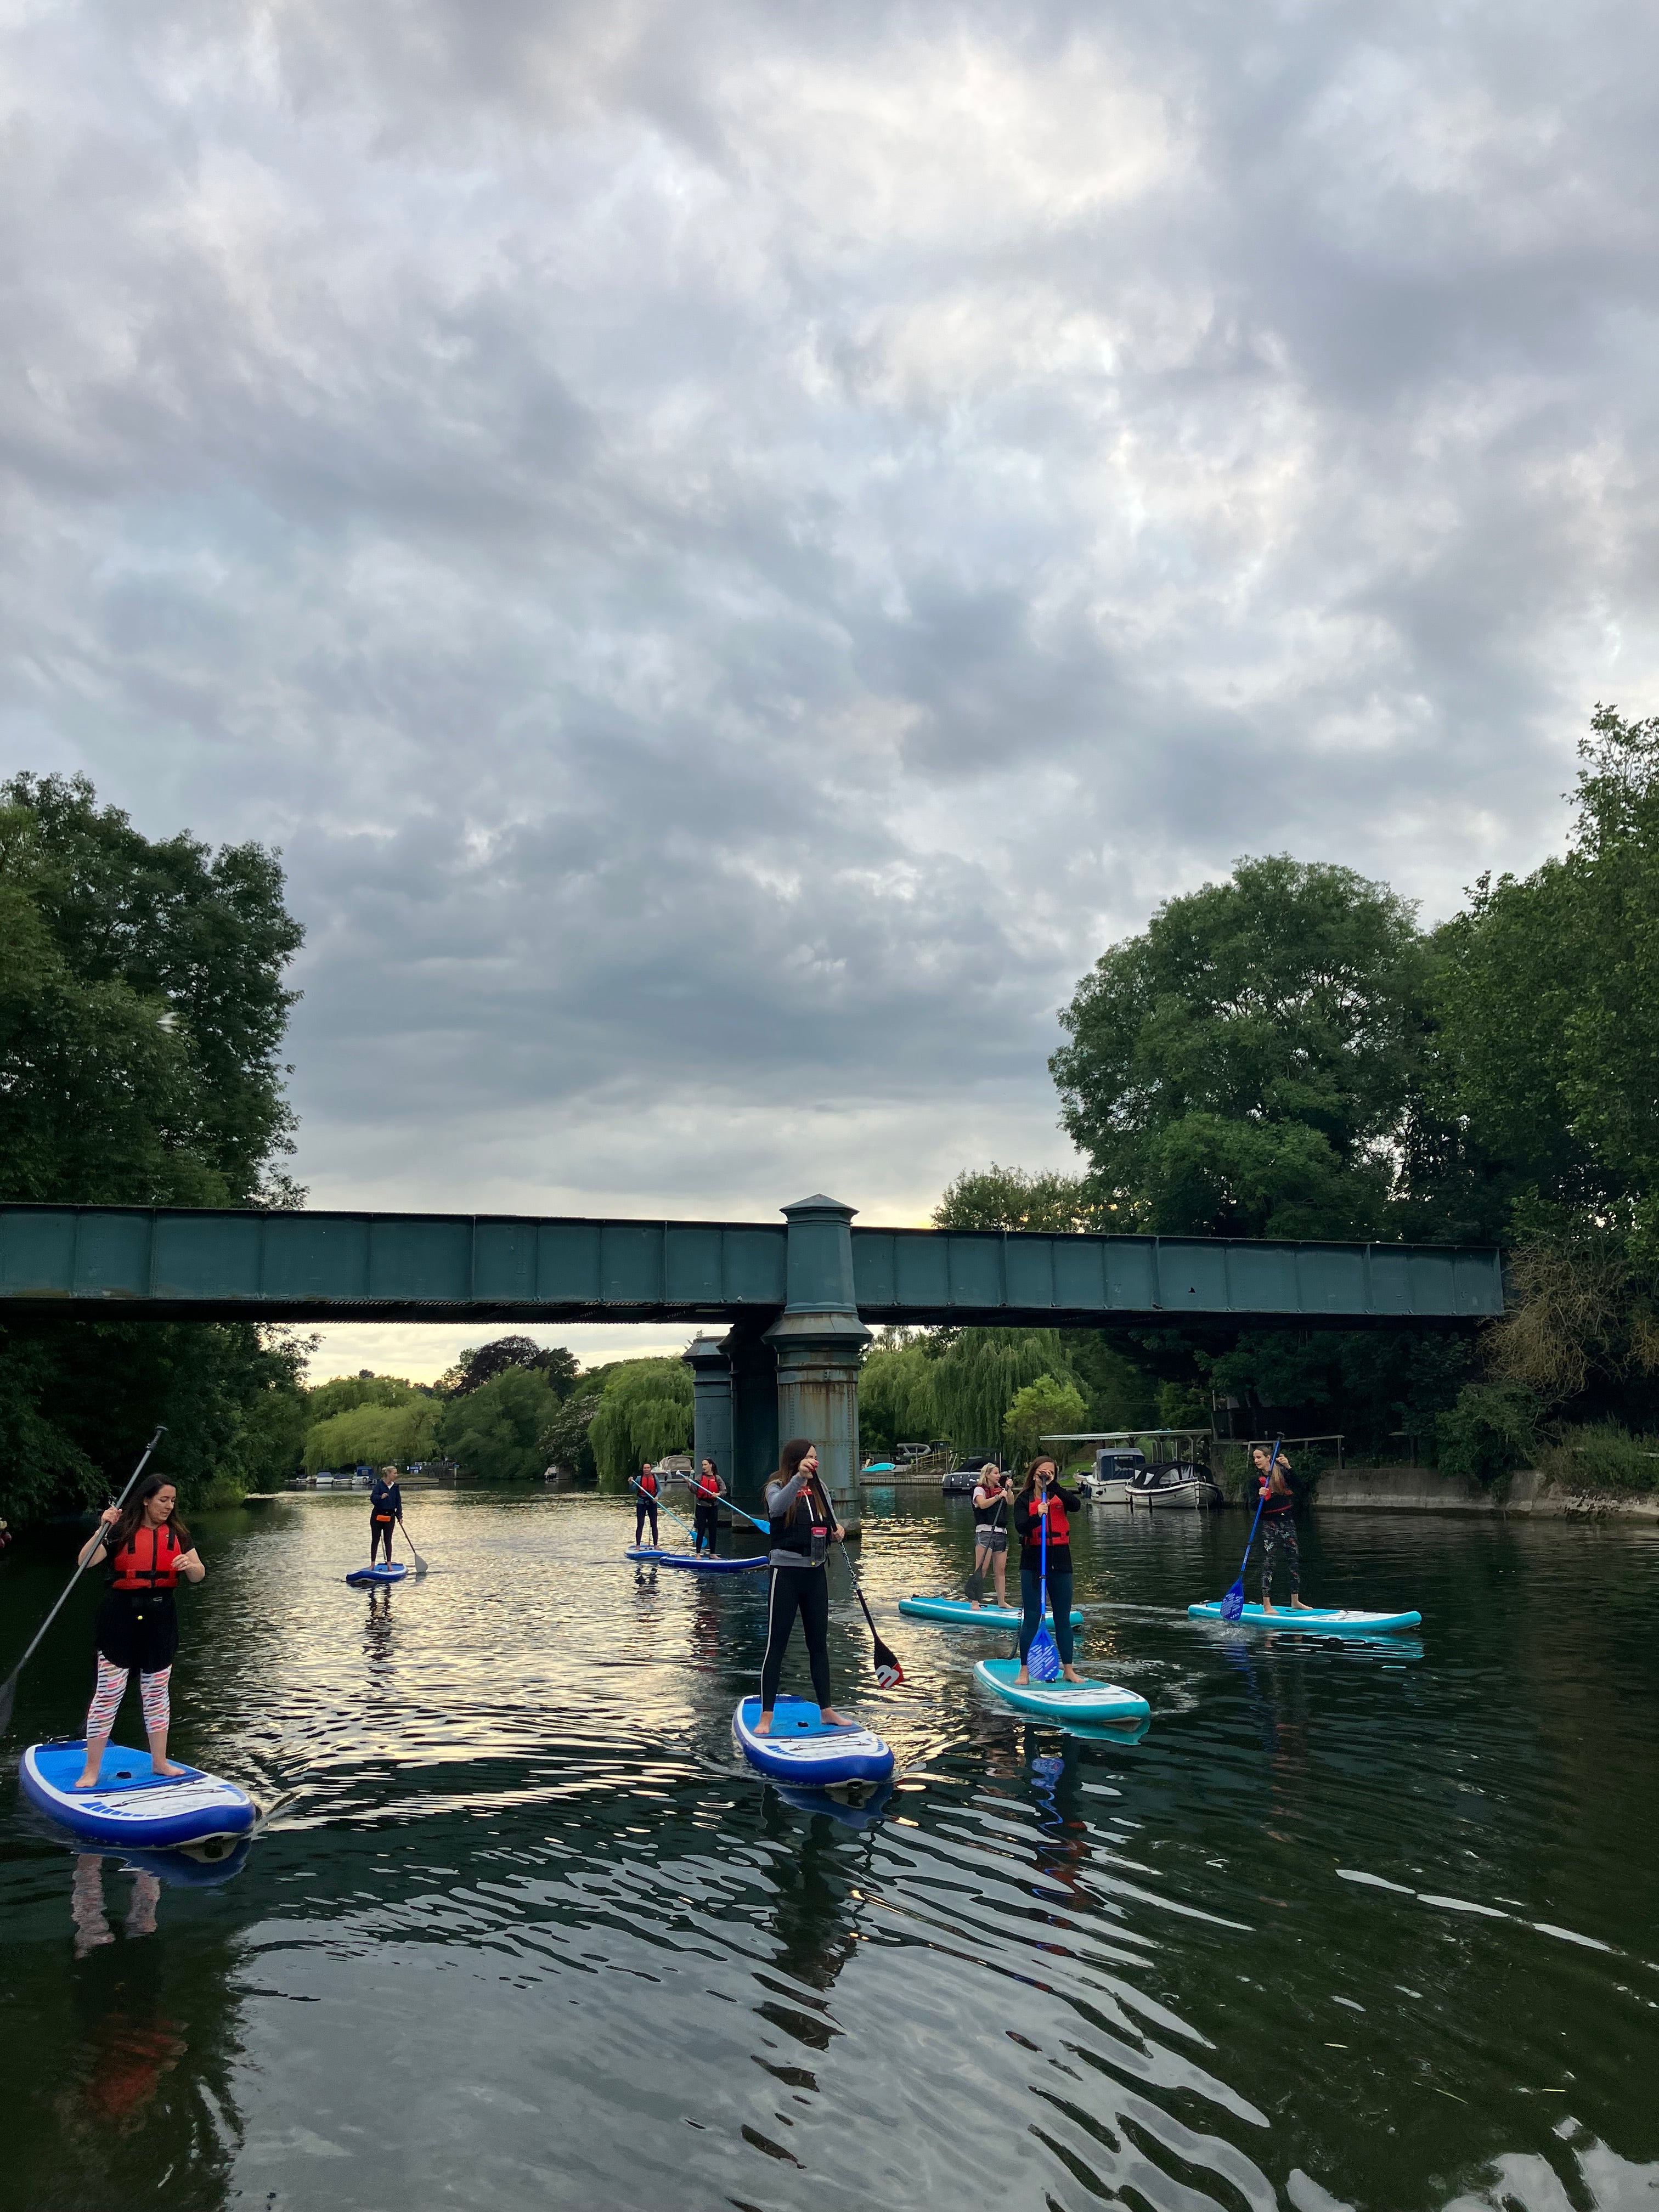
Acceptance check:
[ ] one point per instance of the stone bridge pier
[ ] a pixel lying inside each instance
(755, 1388)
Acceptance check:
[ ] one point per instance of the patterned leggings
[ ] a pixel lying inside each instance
(1279, 1548)
(111, 1687)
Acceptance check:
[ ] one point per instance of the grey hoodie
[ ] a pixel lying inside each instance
(779, 1496)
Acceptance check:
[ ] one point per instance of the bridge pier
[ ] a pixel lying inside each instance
(751, 1389)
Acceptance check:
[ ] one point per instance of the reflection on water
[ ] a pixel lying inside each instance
(1355, 1925)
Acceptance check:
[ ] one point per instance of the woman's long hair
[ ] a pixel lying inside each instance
(132, 1514)
(789, 1460)
(1028, 1488)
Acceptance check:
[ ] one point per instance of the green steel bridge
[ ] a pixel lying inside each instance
(784, 1305)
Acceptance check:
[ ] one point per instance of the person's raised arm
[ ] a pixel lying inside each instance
(190, 1566)
(94, 1544)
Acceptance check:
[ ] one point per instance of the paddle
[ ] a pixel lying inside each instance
(1042, 1660)
(9, 1688)
(889, 1672)
(731, 1505)
(420, 1563)
(1232, 1606)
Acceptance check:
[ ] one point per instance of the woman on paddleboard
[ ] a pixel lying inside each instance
(991, 1497)
(803, 1526)
(706, 1490)
(146, 1548)
(1043, 1505)
(1279, 1544)
(386, 1508)
(645, 1502)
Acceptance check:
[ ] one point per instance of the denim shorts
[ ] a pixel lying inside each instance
(990, 1539)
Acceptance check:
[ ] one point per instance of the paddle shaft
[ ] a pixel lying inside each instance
(634, 1483)
(1236, 1589)
(420, 1563)
(9, 1689)
(730, 1503)
(886, 1661)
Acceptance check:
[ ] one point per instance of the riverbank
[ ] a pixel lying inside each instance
(1421, 1490)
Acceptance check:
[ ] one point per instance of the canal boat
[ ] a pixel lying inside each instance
(1313, 1620)
(804, 1748)
(1097, 1703)
(131, 1803)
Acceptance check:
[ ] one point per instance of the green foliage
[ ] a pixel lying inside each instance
(645, 1412)
(494, 1433)
(896, 1404)
(1492, 1429)
(978, 1373)
(1603, 1455)
(480, 1364)
(142, 1012)
(1043, 1407)
(1008, 1197)
(566, 1441)
(1121, 1395)
(375, 1435)
(1245, 1066)
(342, 1392)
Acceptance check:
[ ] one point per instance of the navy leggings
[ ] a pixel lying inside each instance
(1060, 1601)
(643, 1506)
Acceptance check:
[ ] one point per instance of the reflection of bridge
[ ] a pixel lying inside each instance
(793, 1297)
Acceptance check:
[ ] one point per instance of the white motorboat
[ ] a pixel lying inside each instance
(1179, 1484)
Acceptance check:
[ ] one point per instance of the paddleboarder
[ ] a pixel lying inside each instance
(991, 1501)
(706, 1490)
(645, 1502)
(803, 1527)
(1279, 1544)
(1043, 1502)
(146, 1548)
(385, 1507)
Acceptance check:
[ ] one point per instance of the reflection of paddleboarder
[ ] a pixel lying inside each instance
(385, 1507)
(145, 1546)
(645, 1502)
(803, 1526)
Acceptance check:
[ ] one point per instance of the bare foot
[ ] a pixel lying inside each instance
(88, 1782)
(974, 1602)
(1071, 1673)
(1268, 1606)
(764, 1725)
(164, 1766)
(1299, 1605)
(833, 1718)
(1022, 1681)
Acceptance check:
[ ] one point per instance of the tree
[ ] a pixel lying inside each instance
(565, 1442)
(897, 1405)
(142, 1006)
(374, 1435)
(1008, 1197)
(645, 1412)
(978, 1372)
(493, 1433)
(1247, 1066)
(481, 1364)
(1043, 1408)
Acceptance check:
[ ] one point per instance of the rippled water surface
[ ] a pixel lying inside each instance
(1371, 1926)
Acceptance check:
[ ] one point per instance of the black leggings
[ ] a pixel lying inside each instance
(707, 1519)
(375, 1533)
(1060, 1605)
(804, 1590)
(643, 1506)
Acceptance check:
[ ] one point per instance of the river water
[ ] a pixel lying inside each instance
(1371, 1927)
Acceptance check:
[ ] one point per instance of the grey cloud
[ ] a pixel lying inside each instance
(734, 550)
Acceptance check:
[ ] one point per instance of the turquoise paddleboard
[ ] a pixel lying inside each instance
(1313, 1620)
(959, 1608)
(1060, 1701)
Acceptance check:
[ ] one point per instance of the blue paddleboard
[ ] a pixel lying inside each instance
(366, 1577)
(699, 1563)
(804, 1748)
(131, 1803)
(1060, 1701)
(959, 1609)
(1313, 1620)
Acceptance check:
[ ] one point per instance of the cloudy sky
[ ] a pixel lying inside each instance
(734, 548)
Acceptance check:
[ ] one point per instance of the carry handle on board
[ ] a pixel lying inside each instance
(9, 1688)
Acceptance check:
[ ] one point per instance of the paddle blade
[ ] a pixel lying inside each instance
(974, 1587)
(1232, 1606)
(889, 1672)
(8, 1699)
(1042, 1661)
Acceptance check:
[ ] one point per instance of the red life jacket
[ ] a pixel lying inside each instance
(649, 1484)
(708, 1486)
(1060, 1529)
(152, 1566)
